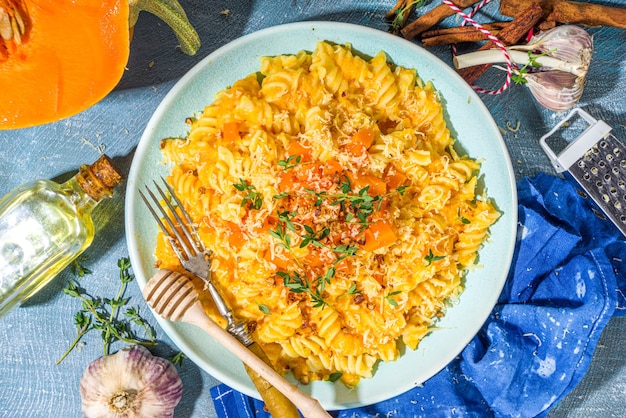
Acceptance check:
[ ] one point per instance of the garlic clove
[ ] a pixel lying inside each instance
(131, 383)
(555, 90)
(571, 43)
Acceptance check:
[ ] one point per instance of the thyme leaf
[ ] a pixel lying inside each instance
(430, 258)
(333, 377)
(352, 290)
(177, 359)
(264, 308)
(252, 199)
(463, 219)
(78, 270)
(390, 298)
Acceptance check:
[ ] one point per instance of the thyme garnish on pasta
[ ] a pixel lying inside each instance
(390, 298)
(463, 219)
(252, 199)
(291, 162)
(431, 258)
(297, 283)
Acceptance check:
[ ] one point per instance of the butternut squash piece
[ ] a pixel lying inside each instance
(59, 57)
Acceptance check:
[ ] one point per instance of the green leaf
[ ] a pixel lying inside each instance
(78, 270)
(290, 162)
(352, 290)
(390, 299)
(334, 377)
(177, 359)
(430, 258)
(264, 308)
(463, 219)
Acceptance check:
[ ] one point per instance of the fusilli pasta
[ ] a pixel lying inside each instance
(340, 218)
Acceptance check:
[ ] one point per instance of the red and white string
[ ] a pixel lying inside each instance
(467, 19)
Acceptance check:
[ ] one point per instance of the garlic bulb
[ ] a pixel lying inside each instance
(555, 64)
(555, 90)
(131, 383)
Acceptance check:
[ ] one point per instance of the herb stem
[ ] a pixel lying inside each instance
(79, 335)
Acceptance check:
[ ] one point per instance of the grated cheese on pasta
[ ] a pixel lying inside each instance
(277, 172)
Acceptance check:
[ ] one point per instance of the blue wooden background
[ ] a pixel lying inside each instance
(35, 335)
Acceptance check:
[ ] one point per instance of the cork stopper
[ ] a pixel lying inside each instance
(99, 179)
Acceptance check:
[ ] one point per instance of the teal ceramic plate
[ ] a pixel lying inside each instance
(469, 121)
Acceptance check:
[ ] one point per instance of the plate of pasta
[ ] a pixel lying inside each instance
(356, 196)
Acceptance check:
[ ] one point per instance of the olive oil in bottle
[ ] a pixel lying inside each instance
(44, 226)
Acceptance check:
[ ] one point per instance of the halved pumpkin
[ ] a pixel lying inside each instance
(59, 57)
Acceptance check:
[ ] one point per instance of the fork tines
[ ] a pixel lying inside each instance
(181, 232)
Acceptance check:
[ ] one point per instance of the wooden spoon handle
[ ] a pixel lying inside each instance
(309, 407)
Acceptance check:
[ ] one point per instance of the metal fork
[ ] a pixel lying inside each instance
(193, 255)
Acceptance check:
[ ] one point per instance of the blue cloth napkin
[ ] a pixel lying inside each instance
(568, 278)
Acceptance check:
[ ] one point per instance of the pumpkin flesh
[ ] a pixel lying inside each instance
(71, 55)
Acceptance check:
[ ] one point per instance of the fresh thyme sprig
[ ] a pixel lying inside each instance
(252, 199)
(295, 281)
(314, 237)
(344, 251)
(284, 239)
(298, 283)
(309, 237)
(291, 162)
(431, 258)
(103, 314)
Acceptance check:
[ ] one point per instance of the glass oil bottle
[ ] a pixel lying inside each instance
(44, 226)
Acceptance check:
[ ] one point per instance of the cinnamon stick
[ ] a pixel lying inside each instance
(459, 34)
(510, 35)
(514, 8)
(571, 12)
(588, 14)
(455, 38)
(432, 17)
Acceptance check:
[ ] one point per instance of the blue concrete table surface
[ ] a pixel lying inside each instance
(35, 335)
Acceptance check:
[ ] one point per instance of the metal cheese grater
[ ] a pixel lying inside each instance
(597, 160)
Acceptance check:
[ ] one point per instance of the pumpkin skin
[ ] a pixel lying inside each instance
(72, 54)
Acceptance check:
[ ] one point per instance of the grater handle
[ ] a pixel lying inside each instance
(577, 148)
